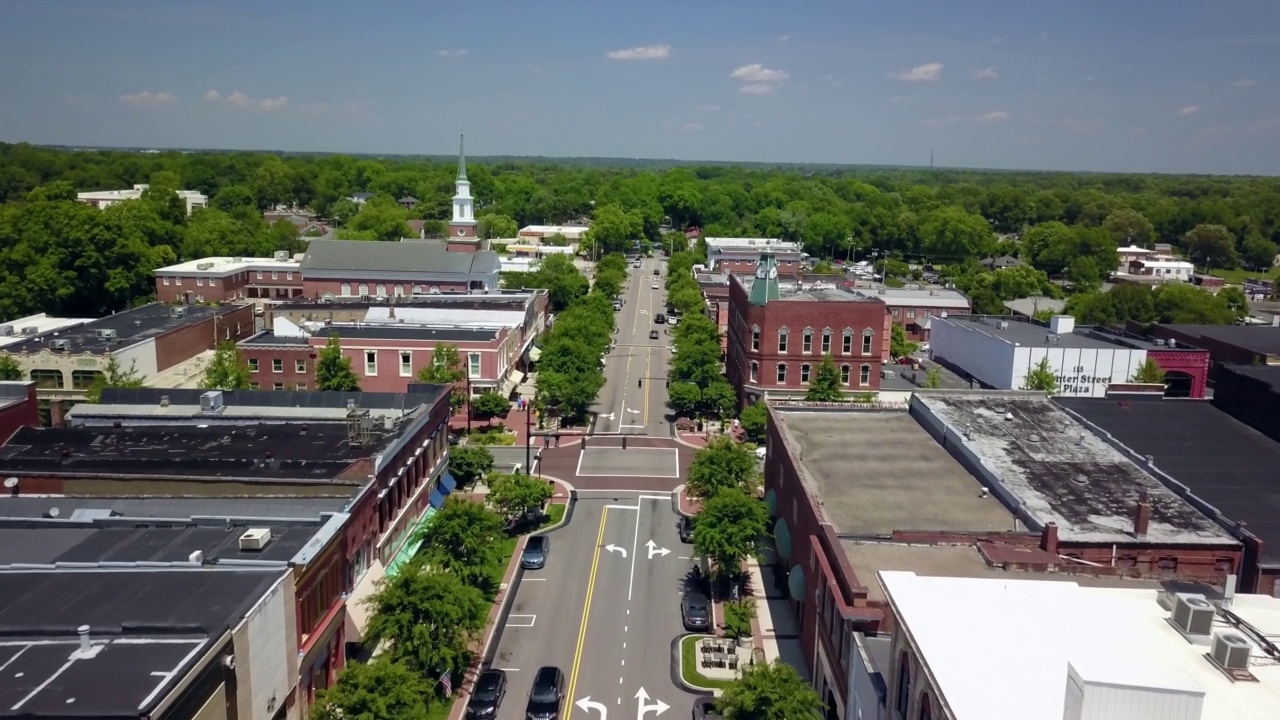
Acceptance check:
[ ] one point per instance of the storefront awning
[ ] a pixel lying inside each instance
(771, 501)
(782, 539)
(415, 542)
(535, 352)
(436, 499)
(447, 482)
(795, 583)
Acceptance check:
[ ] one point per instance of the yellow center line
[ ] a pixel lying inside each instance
(586, 612)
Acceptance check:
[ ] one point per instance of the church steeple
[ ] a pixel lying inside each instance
(462, 228)
(462, 158)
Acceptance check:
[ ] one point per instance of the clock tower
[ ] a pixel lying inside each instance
(462, 227)
(765, 287)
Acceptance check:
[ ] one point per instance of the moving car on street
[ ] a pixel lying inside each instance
(696, 612)
(660, 318)
(547, 694)
(653, 335)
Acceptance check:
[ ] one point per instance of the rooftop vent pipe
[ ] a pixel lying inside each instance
(85, 643)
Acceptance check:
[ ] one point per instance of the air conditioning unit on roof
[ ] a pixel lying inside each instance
(1192, 614)
(255, 538)
(1231, 651)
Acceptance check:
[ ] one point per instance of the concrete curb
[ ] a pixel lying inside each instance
(568, 513)
(676, 494)
(679, 663)
(686, 443)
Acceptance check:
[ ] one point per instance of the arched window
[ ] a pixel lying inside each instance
(806, 345)
(804, 373)
(399, 291)
(783, 336)
(846, 347)
(826, 341)
(845, 371)
(755, 338)
(867, 336)
(346, 290)
(755, 371)
(782, 373)
(364, 290)
(926, 707)
(903, 697)
(382, 291)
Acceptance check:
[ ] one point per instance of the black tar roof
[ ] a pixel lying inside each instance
(1224, 462)
(146, 629)
(48, 542)
(263, 452)
(71, 508)
(419, 394)
(1263, 340)
(131, 326)
(389, 331)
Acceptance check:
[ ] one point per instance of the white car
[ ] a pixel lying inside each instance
(760, 452)
(654, 286)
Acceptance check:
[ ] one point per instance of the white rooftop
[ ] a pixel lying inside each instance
(1160, 262)
(32, 325)
(921, 297)
(761, 243)
(1134, 250)
(225, 265)
(569, 231)
(133, 193)
(446, 316)
(1110, 637)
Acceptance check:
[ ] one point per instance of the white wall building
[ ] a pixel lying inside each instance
(1054, 650)
(1000, 351)
(1163, 268)
(105, 198)
(535, 233)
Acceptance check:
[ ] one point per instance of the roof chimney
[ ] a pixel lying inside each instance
(1141, 519)
(85, 643)
(1049, 538)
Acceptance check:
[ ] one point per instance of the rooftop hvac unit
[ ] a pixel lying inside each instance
(1231, 651)
(60, 344)
(204, 266)
(1002, 324)
(255, 538)
(179, 311)
(31, 330)
(282, 256)
(6, 330)
(211, 401)
(1192, 614)
(107, 334)
(237, 259)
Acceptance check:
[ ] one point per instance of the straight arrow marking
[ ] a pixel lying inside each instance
(644, 707)
(655, 550)
(615, 549)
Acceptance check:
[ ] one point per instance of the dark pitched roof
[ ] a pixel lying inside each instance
(347, 256)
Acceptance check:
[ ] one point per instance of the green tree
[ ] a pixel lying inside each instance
(722, 465)
(516, 494)
(227, 370)
(824, 386)
(469, 463)
(729, 529)
(754, 419)
(899, 346)
(465, 538)
(114, 376)
(490, 227)
(380, 218)
(489, 405)
(1211, 246)
(561, 279)
(613, 229)
(1129, 228)
(427, 618)
(333, 369)
(1148, 372)
(10, 369)
(379, 690)
(933, 379)
(445, 368)
(1042, 378)
(770, 691)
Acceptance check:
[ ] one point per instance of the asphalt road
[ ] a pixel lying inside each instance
(605, 610)
(634, 397)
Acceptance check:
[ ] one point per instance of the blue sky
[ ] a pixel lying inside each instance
(1134, 85)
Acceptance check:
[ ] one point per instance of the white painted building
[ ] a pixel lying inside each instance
(106, 198)
(1054, 650)
(1163, 268)
(1000, 351)
(536, 233)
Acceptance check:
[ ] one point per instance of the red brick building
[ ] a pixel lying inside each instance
(741, 256)
(779, 333)
(223, 279)
(360, 269)
(18, 407)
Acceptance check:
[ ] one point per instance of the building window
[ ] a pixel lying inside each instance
(288, 276)
(253, 364)
(275, 274)
(782, 340)
(755, 338)
(926, 708)
(255, 386)
(845, 371)
(259, 274)
(846, 346)
(364, 290)
(382, 291)
(894, 312)
(755, 371)
(911, 314)
(804, 374)
(406, 363)
(199, 282)
(177, 281)
(473, 365)
(806, 341)
(277, 365)
(826, 341)
(277, 386)
(1167, 564)
(301, 387)
(782, 373)
(399, 291)
(903, 697)
(864, 375)
(346, 290)
(370, 362)
(867, 337)
(166, 281)
(300, 366)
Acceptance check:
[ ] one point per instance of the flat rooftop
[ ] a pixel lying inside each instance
(22, 329)
(1263, 340)
(448, 316)
(384, 331)
(169, 508)
(148, 629)
(344, 257)
(1052, 469)
(1111, 636)
(292, 404)
(878, 472)
(762, 244)
(497, 300)
(819, 292)
(130, 326)
(1027, 333)
(920, 297)
(319, 453)
(1221, 460)
(219, 266)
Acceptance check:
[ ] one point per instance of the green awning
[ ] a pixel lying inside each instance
(795, 583)
(771, 501)
(782, 539)
(410, 548)
(535, 352)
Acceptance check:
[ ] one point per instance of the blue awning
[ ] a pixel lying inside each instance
(795, 583)
(436, 499)
(782, 539)
(771, 501)
(447, 483)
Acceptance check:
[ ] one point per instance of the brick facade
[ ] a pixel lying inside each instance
(18, 407)
(227, 282)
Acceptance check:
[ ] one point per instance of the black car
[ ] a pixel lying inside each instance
(536, 550)
(653, 335)
(686, 529)
(547, 694)
(705, 709)
(696, 612)
(490, 688)
(660, 318)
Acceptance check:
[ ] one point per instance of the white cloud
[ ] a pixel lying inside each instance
(1244, 83)
(757, 73)
(240, 101)
(985, 74)
(691, 127)
(710, 108)
(1188, 110)
(148, 99)
(644, 52)
(757, 89)
(929, 72)
(988, 118)
(783, 38)
(452, 53)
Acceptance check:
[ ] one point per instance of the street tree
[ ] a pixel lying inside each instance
(465, 538)
(1042, 378)
(10, 369)
(754, 420)
(114, 376)
(561, 279)
(1211, 246)
(1129, 228)
(489, 405)
(824, 386)
(770, 691)
(227, 370)
(517, 494)
(428, 618)
(445, 368)
(333, 369)
(378, 690)
(469, 463)
(1148, 372)
(729, 529)
(490, 227)
(613, 229)
(899, 346)
(722, 465)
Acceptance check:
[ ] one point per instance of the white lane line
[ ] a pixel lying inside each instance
(526, 621)
(635, 543)
(682, 557)
(619, 681)
(509, 669)
(529, 579)
(624, 662)
(623, 507)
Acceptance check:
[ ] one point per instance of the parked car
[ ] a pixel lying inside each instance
(536, 550)
(686, 529)
(653, 335)
(547, 694)
(654, 285)
(660, 318)
(696, 612)
(491, 688)
(617, 305)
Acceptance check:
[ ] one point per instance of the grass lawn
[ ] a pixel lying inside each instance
(555, 513)
(689, 666)
(1238, 276)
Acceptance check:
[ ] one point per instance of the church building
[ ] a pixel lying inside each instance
(463, 235)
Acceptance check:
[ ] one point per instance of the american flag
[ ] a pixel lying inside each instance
(447, 682)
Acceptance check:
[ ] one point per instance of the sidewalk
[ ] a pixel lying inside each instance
(774, 628)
